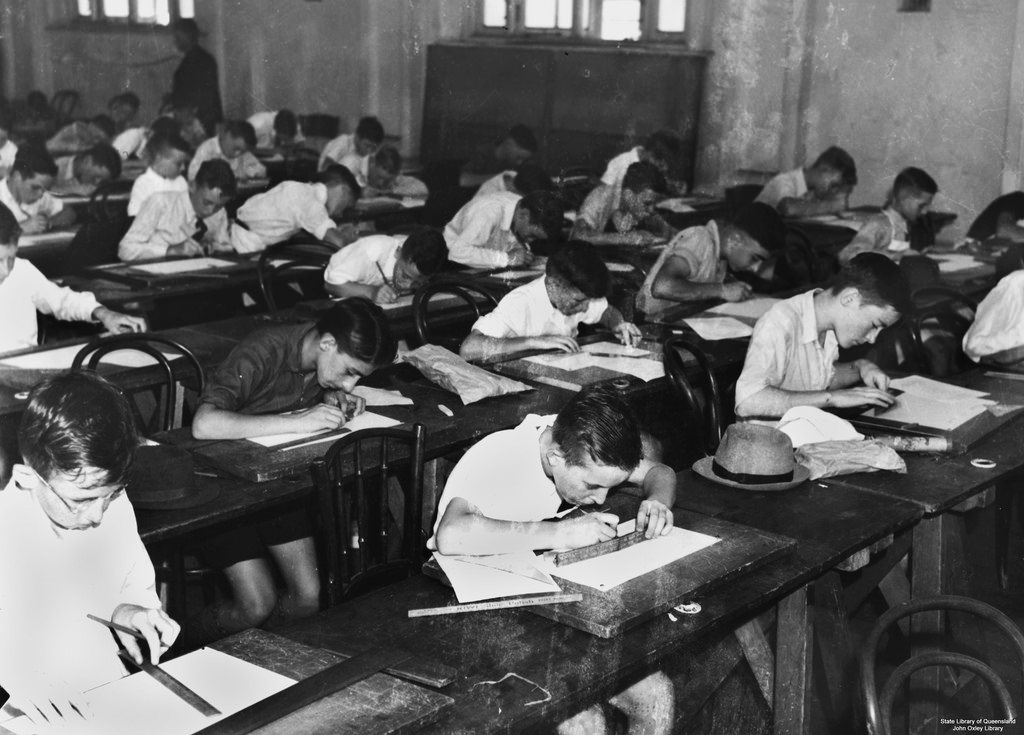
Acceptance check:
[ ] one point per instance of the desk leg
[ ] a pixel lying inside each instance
(927, 579)
(792, 666)
(835, 648)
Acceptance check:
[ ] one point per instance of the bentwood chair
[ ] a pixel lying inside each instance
(446, 329)
(695, 385)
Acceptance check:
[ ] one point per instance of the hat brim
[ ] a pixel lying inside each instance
(196, 496)
(705, 468)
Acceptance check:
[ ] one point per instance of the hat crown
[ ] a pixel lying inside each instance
(753, 449)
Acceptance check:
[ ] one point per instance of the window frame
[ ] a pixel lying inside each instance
(99, 16)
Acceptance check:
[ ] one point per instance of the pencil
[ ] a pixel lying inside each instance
(386, 281)
(114, 626)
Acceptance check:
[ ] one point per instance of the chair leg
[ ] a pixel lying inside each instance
(1003, 522)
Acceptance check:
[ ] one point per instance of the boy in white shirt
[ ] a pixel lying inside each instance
(234, 145)
(276, 129)
(625, 216)
(8, 150)
(363, 143)
(381, 174)
(997, 334)
(184, 224)
(24, 290)
(545, 314)
(69, 548)
(384, 267)
(522, 180)
(822, 188)
(168, 155)
(660, 149)
(83, 172)
(25, 192)
(291, 207)
(494, 231)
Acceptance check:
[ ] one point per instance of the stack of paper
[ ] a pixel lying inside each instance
(712, 328)
(752, 309)
(953, 262)
(192, 265)
(617, 358)
(933, 404)
(476, 578)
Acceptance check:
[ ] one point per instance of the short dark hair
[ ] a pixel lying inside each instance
(389, 159)
(33, 160)
(578, 264)
(426, 249)
(879, 281)
(106, 156)
(338, 175)
(839, 160)
(125, 98)
(164, 145)
(916, 180)
(285, 123)
(369, 128)
(104, 123)
(663, 146)
(763, 223)
(597, 424)
(531, 177)
(10, 230)
(188, 27)
(165, 126)
(241, 129)
(523, 137)
(547, 210)
(361, 330)
(217, 174)
(644, 175)
(77, 421)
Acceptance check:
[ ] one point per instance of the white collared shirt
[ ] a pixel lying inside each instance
(8, 152)
(615, 172)
(527, 311)
(168, 218)
(701, 248)
(45, 206)
(263, 124)
(480, 234)
(787, 185)
(275, 215)
(358, 262)
(244, 166)
(999, 322)
(339, 148)
(149, 183)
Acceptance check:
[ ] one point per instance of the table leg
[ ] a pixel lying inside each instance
(759, 655)
(792, 665)
(835, 647)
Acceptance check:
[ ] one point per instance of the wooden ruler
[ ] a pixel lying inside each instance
(496, 604)
(561, 558)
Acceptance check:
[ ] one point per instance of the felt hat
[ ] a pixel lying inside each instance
(753, 457)
(162, 478)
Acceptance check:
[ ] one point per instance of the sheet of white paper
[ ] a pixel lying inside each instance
(62, 357)
(184, 266)
(615, 348)
(646, 370)
(477, 578)
(619, 267)
(367, 420)
(380, 397)
(140, 704)
(435, 302)
(953, 262)
(934, 389)
(724, 327)
(926, 411)
(677, 204)
(751, 309)
(514, 275)
(610, 570)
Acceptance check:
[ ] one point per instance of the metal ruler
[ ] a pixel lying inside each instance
(561, 558)
(496, 604)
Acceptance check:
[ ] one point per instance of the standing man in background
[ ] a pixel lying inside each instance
(195, 79)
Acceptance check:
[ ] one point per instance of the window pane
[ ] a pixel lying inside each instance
(115, 8)
(146, 10)
(163, 12)
(565, 14)
(495, 13)
(620, 20)
(85, 8)
(540, 13)
(672, 16)
(186, 9)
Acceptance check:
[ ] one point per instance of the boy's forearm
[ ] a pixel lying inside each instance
(660, 484)
(481, 347)
(351, 290)
(770, 402)
(474, 534)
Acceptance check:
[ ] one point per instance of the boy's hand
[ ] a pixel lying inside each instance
(555, 342)
(628, 333)
(654, 518)
(351, 405)
(35, 224)
(385, 295)
(156, 625)
(519, 256)
(115, 322)
(872, 376)
(185, 249)
(853, 397)
(736, 291)
(322, 417)
(51, 704)
(590, 529)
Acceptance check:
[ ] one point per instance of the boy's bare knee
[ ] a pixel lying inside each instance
(256, 608)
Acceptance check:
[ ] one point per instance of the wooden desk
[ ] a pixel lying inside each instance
(45, 247)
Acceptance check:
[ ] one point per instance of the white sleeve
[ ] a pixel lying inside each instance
(764, 365)
(62, 302)
(144, 239)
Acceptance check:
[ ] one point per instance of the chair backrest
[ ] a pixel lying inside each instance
(101, 209)
(947, 315)
(878, 706)
(63, 105)
(456, 327)
(920, 271)
(95, 243)
(706, 408)
(168, 356)
(801, 264)
(293, 261)
(360, 483)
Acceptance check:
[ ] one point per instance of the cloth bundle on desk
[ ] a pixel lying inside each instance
(828, 445)
(446, 369)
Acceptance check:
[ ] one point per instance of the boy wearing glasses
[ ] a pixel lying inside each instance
(383, 267)
(69, 547)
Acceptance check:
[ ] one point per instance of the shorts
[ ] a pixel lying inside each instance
(249, 537)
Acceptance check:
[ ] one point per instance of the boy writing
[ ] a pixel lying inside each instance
(69, 547)
(503, 492)
(290, 378)
(792, 357)
(660, 149)
(122, 109)
(291, 207)
(610, 217)
(168, 155)
(381, 174)
(25, 192)
(494, 231)
(81, 135)
(889, 231)
(522, 180)
(696, 263)
(83, 172)
(183, 224)
(821, 188)
(363, 143)
(234, 145)
(276, 129)
(383, 267)
(545, 314)
(24, 290)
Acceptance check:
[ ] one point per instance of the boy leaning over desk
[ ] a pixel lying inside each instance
(502, 493)
(69, 548)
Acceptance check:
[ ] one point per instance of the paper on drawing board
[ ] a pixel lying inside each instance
(477, 578)
(610, 570)
(615, 348)
(380, 397)
(911, 408)
(936, 390)
(751, 309)
(140, 704)
(645, 369)
(62, 357)
(184, 266)
(367, 420)
(953, 262)
(514, 275)
(725, 327)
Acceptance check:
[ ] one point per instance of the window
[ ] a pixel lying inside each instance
(607, 20)
(150, 12)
